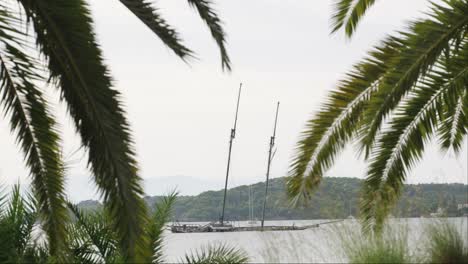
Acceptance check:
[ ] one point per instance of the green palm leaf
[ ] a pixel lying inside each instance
(153, 20)
(16, 225)
(415, 83)
(35, 130)
(327, 133)
(454, 124)
(403, 144)
(213, 22)
(65, 37)
(216, 254)
(424, 43)
(157, 225)
(93, 236)
(348, 14)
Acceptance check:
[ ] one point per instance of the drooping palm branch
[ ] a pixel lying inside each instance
(65, 39)
(412, 125)
(150, 16)
(208, 14)
(34, 127)
(411, 87)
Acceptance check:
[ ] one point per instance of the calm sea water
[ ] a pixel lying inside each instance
(316, 245)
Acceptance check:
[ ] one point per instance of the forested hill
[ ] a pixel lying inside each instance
(335, 198)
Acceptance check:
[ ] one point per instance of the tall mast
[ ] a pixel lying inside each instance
(270, 157)
(233, 135)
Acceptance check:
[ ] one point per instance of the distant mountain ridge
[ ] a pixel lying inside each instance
(335, 198)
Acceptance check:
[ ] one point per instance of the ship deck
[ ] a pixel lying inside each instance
(216, 227)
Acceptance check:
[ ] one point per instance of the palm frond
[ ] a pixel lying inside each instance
(453, 128)
(96, 239)
(156, 227)
(65, 37)
(403, 144)
(35, 130)
(81, 248)
(16, 226)
(402, 73)
(423, 43)
(348, 14)
(208, 14)
(327, 133)
(38, 254)
(216, 254)
(153, 20)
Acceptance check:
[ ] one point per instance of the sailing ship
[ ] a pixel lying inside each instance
(221, 225)
(225, 226)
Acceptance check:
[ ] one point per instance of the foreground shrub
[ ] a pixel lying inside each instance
(90, 237)
(445, 244)
(391, 246)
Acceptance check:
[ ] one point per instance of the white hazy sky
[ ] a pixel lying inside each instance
(181, 114)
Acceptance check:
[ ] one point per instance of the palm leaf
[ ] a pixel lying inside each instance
(159, 220)
(213, 22)
(327, 133)
(424, 43)
(96, 239)
(374, 88)
(153, 20)
(16, 226)
(81, 248)
(216, 254)
(453, 127)
(35, 130)
(65, 37)
(403, 144)
(348, 14)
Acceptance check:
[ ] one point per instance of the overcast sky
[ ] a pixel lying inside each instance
(181, 114)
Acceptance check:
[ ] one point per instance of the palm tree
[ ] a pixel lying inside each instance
(93, 241)
(51, 43)
(411, 87)
(91, 237)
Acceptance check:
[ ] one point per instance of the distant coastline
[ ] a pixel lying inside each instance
(335, 198)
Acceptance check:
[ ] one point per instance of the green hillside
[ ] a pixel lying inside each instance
(336, 198)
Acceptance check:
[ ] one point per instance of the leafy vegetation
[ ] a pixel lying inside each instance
(391, 247)
(216, 254)
(17, 220)
(51, 43)
(90, 235)
(411, 87)
(442, 243)
(446, 244)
